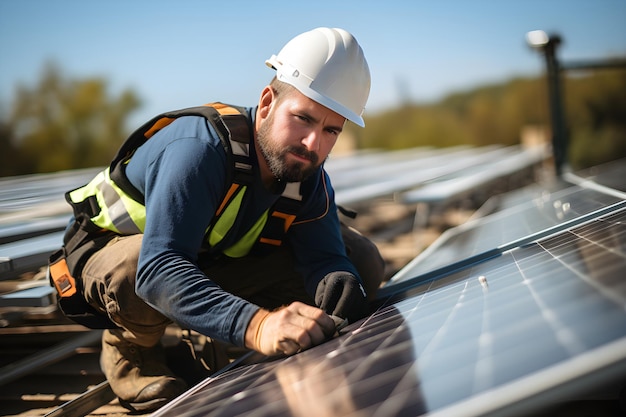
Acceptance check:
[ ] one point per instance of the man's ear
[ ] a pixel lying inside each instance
(266, 101)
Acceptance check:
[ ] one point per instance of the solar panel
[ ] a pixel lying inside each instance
(524, 214)
(403, 171)
(541, 322)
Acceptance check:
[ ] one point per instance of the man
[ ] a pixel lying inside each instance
(169, 234)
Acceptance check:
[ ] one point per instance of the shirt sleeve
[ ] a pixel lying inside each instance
(316, 238)
(182, 173)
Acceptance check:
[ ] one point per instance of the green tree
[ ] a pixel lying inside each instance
(12, 159)
(596, 117)
(65, 124)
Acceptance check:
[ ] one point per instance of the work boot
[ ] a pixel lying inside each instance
(138, 375)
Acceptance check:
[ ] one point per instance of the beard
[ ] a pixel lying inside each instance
(276, 156)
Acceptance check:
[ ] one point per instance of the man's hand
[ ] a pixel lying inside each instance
(341, 294)
(288, 330)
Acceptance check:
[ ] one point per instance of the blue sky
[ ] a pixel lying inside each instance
(182, 53)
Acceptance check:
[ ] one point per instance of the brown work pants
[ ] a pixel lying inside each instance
(109, 282)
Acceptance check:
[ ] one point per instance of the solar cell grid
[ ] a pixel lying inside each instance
(520, 325)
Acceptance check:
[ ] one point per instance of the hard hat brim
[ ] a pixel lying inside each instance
(283, 76)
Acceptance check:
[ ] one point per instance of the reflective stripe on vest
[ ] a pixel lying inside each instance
(118, 212)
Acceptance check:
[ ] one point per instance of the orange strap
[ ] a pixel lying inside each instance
(63, 280)
(233, 187)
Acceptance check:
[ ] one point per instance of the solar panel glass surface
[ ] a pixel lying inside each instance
(524, 213)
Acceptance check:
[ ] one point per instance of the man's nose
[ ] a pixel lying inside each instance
(312, 140)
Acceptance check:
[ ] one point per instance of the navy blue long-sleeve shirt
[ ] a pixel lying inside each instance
(182, 173)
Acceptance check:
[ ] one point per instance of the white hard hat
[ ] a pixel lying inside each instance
(328, 66)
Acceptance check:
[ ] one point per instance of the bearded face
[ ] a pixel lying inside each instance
(278, 159)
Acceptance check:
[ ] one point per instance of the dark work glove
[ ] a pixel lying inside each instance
(341, 294)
